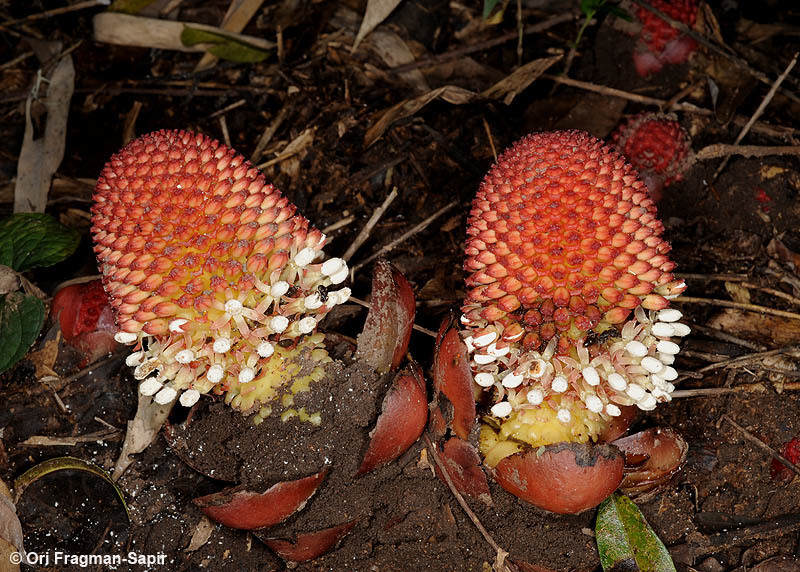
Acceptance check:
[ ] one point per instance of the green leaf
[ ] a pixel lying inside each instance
(488, 6)
(64, 464)
(590, 7)
(28, 240)
(223, 46)
(21, 319)
(625, 541)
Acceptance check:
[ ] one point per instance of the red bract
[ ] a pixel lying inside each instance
(567, 319)
(213, 275)
(660, 43)
(452, 377)
(791, 450)
(651, 458)
(309, 545)
(84, 314)
(657, 146)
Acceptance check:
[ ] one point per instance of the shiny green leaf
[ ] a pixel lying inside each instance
(29, 240)
(21, 319)
(223, 46)
(626, 542)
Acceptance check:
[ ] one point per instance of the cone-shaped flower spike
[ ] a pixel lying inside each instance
(214, 278)
(567, 318)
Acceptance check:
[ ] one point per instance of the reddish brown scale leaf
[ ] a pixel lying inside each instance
(238, 507)
(86, 319)
(618, 426)
(464, 467)
(401, 421)
(384, 341)
(453, 377)
(566, 478)
(309, 545)
(651, 458)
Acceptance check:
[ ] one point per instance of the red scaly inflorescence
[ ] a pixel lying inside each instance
(660, 43)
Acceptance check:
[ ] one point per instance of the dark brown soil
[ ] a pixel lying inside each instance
(739, 227)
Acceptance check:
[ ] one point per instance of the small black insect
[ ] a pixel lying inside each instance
(323, 293)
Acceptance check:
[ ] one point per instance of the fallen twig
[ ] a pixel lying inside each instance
(421, 329)
(373, 220)
(759, 443)
(738, 306)
(718, 150)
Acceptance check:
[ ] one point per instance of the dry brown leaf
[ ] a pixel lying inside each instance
(202, 532)
(45, 358)
(771, 330)
(239, 13)
(9, 282)
(126, 30)
(395, 52)
(295, 146)
(377, 11)
(40, 158)
(506, 89)
(10, 531)
(737, 292)
(142, 430)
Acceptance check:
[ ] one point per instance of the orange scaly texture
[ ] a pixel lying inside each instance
(568, 275)
(208, 267)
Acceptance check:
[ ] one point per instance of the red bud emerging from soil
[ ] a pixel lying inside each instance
(86, 319)
(660, 43)
(401, 421)
(567, 319)
(214, 277)
(453, 378)
(464, 468)
(791, 450)
(651, 458)
(248, 510)
(657, 146)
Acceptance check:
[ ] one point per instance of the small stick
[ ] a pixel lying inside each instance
(472, 516)
(718, 150)
(15, 61)
(777, 293)
(269, 132)
(59, 11)
(373, 220)
(764, 102)
(714, 391)
(760, 444)
(739, 306)
(408, 234)
(223, 125)
(491, 139)
(725, 337)
(338, 224)
(421, 329)
(724, 277)
(747, 359)
(704, 356)
(228, 108)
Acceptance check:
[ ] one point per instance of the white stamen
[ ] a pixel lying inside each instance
(647, 403)
(497, 352)
(306, 325)
(669, 373)
(265, 349)
(125, 337)
(669, 315)
(636, 349)
(464, 320)
(247, 375)
(616, 381)
(658, 380)
(215, 373)
(483, 359)
(613, 410)
(669, 388)
(176, 326)
(515, 337)
(189, 397)
(537, 368)
(136, 358)
(340, 276)
(662, 330)
(341, 296)
(591, 376)
(233, 307)
(222, 345)
(279, 289)
(502, 409)
(559, 384)
(312, 301)
(667, 347)
(535, 396)
(279, 323)
(184, 356)
(150, 386)
(593, 403)
(485, 339)
(512, 380)
(681, 330)
(469, 344)
(652, 364)
(667, 359)
(635, 392)
(305, 256)
(484, 379)
(166, 395)
(332, 266)
(564, 415)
